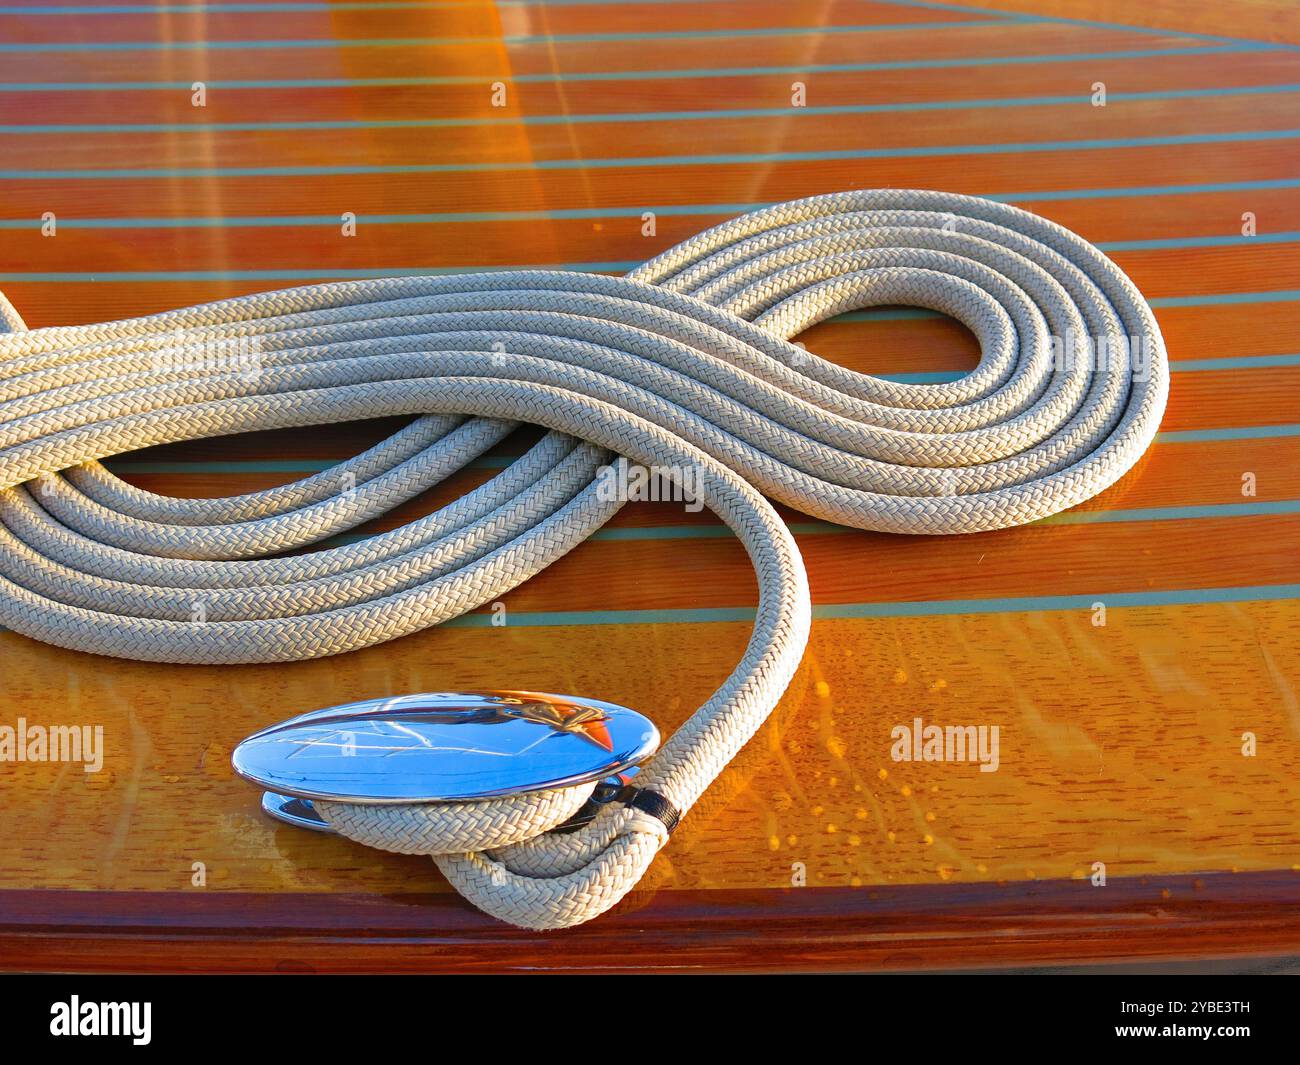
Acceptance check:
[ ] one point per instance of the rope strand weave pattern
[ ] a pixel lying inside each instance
(684, 363)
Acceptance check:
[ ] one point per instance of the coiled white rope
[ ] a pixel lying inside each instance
(684, 363)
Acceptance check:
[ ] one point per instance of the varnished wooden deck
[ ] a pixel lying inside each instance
(1119, 744)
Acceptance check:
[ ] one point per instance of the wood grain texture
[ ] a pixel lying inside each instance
(1120, 743)
(1135, 760)
(1261, 20)
(803, 930)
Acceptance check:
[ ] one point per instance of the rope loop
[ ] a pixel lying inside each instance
(686, 365)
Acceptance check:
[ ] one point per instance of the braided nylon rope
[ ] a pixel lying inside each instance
(684, 363)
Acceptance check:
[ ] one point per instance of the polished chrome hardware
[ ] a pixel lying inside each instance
(294, 811)
(440, 747)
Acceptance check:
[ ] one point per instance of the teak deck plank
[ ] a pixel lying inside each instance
(1120, 743)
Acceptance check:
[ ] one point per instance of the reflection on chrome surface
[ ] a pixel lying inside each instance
(444, 747)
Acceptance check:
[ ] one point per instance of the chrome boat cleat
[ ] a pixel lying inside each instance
(301, 813)
(445, 747)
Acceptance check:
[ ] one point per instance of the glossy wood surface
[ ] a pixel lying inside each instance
(1121, 743)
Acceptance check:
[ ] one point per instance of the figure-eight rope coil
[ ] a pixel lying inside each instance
(684, 363)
